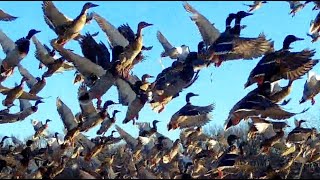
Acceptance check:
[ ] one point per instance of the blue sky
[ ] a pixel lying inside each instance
(173, 21)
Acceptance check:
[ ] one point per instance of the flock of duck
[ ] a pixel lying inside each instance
(264, 151)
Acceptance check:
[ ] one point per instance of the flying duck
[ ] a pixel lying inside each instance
(107, 123)
(15, 51)
(311, 88)
(190, 115)
(282, 64)
(34, 84)
(256, 5)
(66, 28)
(295, 7)
(6, 17)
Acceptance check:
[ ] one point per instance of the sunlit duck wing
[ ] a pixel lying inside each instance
(82, 64)
(132, 142)
(6, 17)
(6, 43)
(207, 30)
(114, 36)
(66, 115)
(264, 127)
(315, 25)
(97, 53)
(311, 87)
(169, 50)
(42, 53)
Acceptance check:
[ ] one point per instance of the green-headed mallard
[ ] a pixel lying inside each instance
(66, 28)
(26, 109)
(311, 88)
(190, 115)
(107, 123)
(282, 64)
(15, 51)
(6, 17)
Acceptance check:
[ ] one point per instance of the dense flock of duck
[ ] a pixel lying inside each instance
(265, 150)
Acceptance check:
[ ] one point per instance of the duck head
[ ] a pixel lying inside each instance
(243, 14)
(231, 139)
(48, 120)
(290, 39)
(189, 95)
(145, 77)
(115, 112)
(38, 102)
(89, 5)
(31, 33)
(143, 24)
(108, 103)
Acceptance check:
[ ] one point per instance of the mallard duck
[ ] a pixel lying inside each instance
(180, 52)
(146, 134)
(256, 5)
(14, 93)
(171, 81)
(207, 30)
(66, 28)
(268, 128)
(46, 58)
(97, 53)
(300, 135)
(26, 109)
(35, 84)
(107, 123)
(190, 115)
(275, 92)
(141, 90)
(315, 37)
(15, 51)
(315, 25)
(6, 17)
(282, 64)
(316, 5)
(295, 7)
(255, 104)
(311, 88)
(40, 128)
(229, 46)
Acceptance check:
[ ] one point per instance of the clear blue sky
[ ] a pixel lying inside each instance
(173, 21)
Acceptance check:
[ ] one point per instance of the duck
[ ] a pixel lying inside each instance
(15, 51)
(141, 90)
(295, 7)
(254, 104)
(107, 123)
(146, 134)
(97, 53)
(14, 93)
(66, 28)
(256, 5)
(86, 105)
(311, 88)
(314, 37)
(282, 64)
(268, 128)
(40, 128)
(300, 135)
(46, 56)
(208, 31)
(26, 109)
(269, 142)
(35, 84)
(315, 25)
(6, 17)
(230, 46)
(171, 81)
(180, 52)
(190, 115)
(316, 5)
(275, 92)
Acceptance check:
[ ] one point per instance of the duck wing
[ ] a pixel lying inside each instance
(207, 30)
(125, 92)
(53, 16)
(114, 36)
(131, 141)
(164, 42)
(66, 115)
(42, 53)
(127, 32)
(87, 108)
(25, 73)
(24, 104)
(6, 17)
(28, 96)
(6, 43)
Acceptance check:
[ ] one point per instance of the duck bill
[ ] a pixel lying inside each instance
(302, 101)
(94, 5)
(147, 24)
(299, 39)
(248, 14)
